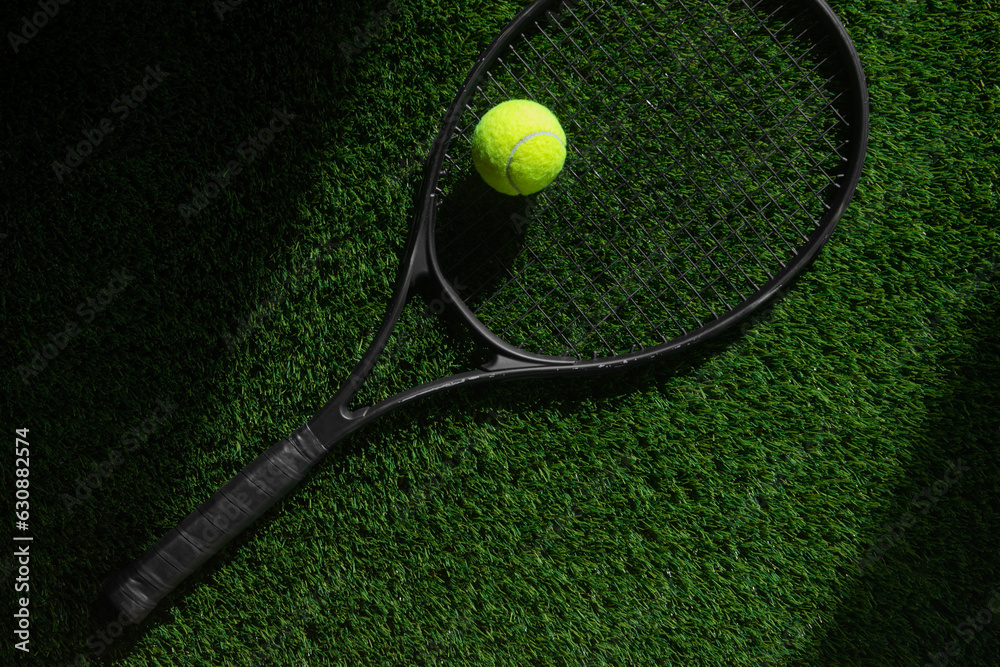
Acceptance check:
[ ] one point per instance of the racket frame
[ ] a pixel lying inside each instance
(137, 588)
(420, 267)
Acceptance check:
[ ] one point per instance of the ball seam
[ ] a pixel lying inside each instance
(510, 158)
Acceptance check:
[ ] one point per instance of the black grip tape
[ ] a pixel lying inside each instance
(137, 588)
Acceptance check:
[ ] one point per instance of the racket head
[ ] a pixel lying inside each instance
(712, 149)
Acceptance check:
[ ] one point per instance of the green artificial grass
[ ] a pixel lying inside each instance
(815, 487)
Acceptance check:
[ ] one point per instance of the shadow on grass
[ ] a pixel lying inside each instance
(924, 588)
(101, 159)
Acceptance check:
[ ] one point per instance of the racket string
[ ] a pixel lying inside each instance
(605, 318)
(648, 159)
(588, 287)
(765, 132)
(703, 143)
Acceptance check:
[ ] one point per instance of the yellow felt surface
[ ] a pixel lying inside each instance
(534, 163)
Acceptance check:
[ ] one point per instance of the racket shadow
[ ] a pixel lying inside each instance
(479, 235)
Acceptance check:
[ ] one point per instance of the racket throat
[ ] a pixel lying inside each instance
(336, 420)
(503, 362)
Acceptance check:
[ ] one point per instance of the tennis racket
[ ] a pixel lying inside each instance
(713, 145)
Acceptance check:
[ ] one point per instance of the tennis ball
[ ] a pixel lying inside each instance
(518, 147)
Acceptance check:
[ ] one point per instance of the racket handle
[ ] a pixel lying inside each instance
(137, 588)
